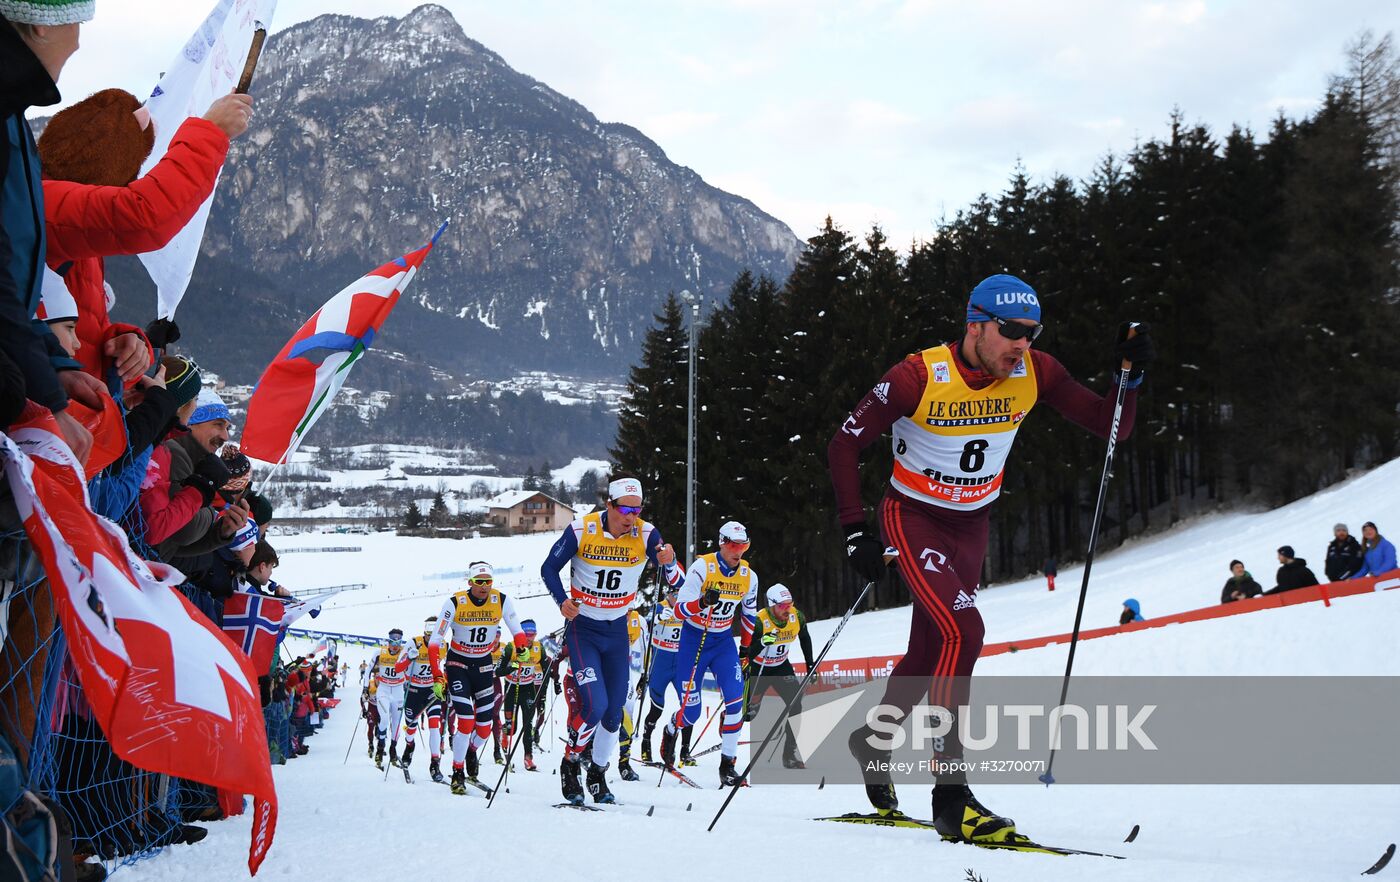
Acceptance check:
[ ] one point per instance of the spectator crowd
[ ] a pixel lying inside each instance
(133, 406)
(1346, 559)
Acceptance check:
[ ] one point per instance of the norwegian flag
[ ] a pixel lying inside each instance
(253, 621)
(171, 693)
(302, 380)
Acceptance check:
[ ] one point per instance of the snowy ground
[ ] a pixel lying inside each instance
(346, 821)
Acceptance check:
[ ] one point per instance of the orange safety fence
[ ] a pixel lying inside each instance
(835, 673)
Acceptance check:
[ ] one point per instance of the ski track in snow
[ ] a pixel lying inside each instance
(346, 821)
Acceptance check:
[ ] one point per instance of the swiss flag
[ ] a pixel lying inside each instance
(170, 691)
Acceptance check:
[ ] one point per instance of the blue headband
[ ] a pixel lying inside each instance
(208, 412)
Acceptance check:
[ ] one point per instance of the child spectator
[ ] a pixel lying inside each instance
(1132, 612)
(1240, 585)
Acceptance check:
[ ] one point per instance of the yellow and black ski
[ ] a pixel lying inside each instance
(1016, 843)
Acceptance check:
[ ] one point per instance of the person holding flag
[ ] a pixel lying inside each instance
(718, 586)
(606, 552)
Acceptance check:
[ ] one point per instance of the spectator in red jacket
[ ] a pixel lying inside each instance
(94, 205)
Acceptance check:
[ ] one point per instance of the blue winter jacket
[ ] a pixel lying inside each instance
(23, 84)
(1380, 558)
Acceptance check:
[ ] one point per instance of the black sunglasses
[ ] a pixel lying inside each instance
(1013, 330)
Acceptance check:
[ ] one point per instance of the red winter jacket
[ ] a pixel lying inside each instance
(85, 223)
(163, 511)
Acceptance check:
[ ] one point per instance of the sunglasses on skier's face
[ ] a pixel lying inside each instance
(732, 545)
(482, 581)
(1013, 330)
(627, 509)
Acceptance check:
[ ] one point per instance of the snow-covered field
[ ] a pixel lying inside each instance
(346, 821)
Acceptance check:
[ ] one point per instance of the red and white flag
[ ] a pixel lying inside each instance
(171, 692)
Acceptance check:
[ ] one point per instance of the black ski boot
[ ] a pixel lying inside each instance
(668, 748)
(473, 764)
(393, 753)
(624, 769)
(791, 760)
(646, 744)
(459, 781)
(959, 816)
(569, 781)
(379, 756)
(597, 785)
(874, 768)
(407, 759)
(728, 775)
(435, 771)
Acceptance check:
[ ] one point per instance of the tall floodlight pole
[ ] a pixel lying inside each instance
(694, 302)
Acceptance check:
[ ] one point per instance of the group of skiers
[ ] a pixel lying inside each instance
(953, 410)
(462, 669)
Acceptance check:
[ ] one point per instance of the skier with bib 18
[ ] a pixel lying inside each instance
(954, 410)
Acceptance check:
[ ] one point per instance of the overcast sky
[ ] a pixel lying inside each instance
(897, 112)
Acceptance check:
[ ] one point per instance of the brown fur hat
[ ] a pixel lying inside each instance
(96, 141)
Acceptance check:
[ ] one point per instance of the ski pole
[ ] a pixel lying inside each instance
(1047, 779)
(708, 720)
(782, 718)
(352, 739)
(647, 657)
(514, 744)
(689, 684)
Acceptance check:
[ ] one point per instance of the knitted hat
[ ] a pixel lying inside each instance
(181, 379)
(1340, 528)
(57, 304)
(97, 141)
(48, 12)
(235, 460)
(1286, 551)
(246, 537)
(1005, 297)
(211, 407)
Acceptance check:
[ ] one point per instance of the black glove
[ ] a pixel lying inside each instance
(1137, 349)
(162, 332)
(710, 598)
(212, 468)
(557, 688)
(641, 686)
(865, 552)
(206, 487)
(209, 475)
